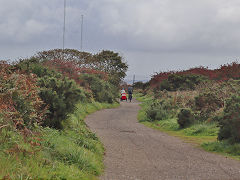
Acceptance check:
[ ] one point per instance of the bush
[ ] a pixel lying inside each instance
(160, 110)
(208, 102)
(61, 95)
(141, 85)
(102, 90)
(19, 99)
(181, 82)
(165, 85)
(185, 118)
(229, 123)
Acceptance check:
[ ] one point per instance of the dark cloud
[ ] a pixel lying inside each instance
(152, 35)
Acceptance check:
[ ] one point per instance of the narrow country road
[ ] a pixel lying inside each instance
(136, 152)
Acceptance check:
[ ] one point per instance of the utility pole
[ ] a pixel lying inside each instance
(64, 24)
(82, 33)
(133, 79)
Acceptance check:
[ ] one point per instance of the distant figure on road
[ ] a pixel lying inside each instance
(122, 91)
(130, 92)
(123, 95)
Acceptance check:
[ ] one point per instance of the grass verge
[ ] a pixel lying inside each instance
(73, 153)
(203, 135)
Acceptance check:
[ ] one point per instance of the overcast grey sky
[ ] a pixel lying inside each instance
(152, 35)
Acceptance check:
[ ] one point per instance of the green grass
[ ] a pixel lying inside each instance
(73, 153)
(200, 134)
(224, 148)
(202, 129)
(170, 127)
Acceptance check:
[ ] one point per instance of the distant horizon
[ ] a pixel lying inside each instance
(146, 76)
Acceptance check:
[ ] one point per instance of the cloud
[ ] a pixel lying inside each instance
(155, 33)
(25, 21)
(171, 25)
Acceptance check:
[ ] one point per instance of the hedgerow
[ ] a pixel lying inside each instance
(38, 97)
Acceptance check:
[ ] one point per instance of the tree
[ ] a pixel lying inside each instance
(82, 59)
(111, 63)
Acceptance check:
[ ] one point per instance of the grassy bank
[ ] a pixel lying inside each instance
(73, 153)
(202, 134)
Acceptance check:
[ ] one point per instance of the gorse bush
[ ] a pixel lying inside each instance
(185, 118)
(61, 95)
(19, 98)
(102, 90)
(229, 123)
(206, 104)
(72, 69)
(141, 85)
(160, 110)
(181, 82)
(225, 72)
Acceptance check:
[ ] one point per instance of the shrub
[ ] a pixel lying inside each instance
(141, 85)
(71, 69)
(102, 90)
(185, 118)
(229, 123)
(160, 110)
(223, 73)
(61, 95)
(181, 82)
(165, 85)
(207, 103)
(19, 99)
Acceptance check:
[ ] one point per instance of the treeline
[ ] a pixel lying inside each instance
(197, 101)
(44, 90)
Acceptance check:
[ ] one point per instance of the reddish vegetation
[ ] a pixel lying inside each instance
(225, 72)
(19, 99)
(72, 69)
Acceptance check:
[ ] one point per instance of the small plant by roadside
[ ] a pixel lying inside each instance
(185, 118)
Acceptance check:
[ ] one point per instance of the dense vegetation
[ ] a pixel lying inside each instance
(197, 102)
(43, 101)
(225, 72)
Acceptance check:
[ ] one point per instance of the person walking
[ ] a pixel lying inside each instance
(130, 92)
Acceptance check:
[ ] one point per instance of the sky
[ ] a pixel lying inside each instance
(151, 35)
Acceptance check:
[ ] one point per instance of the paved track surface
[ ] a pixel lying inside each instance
(136, 152)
